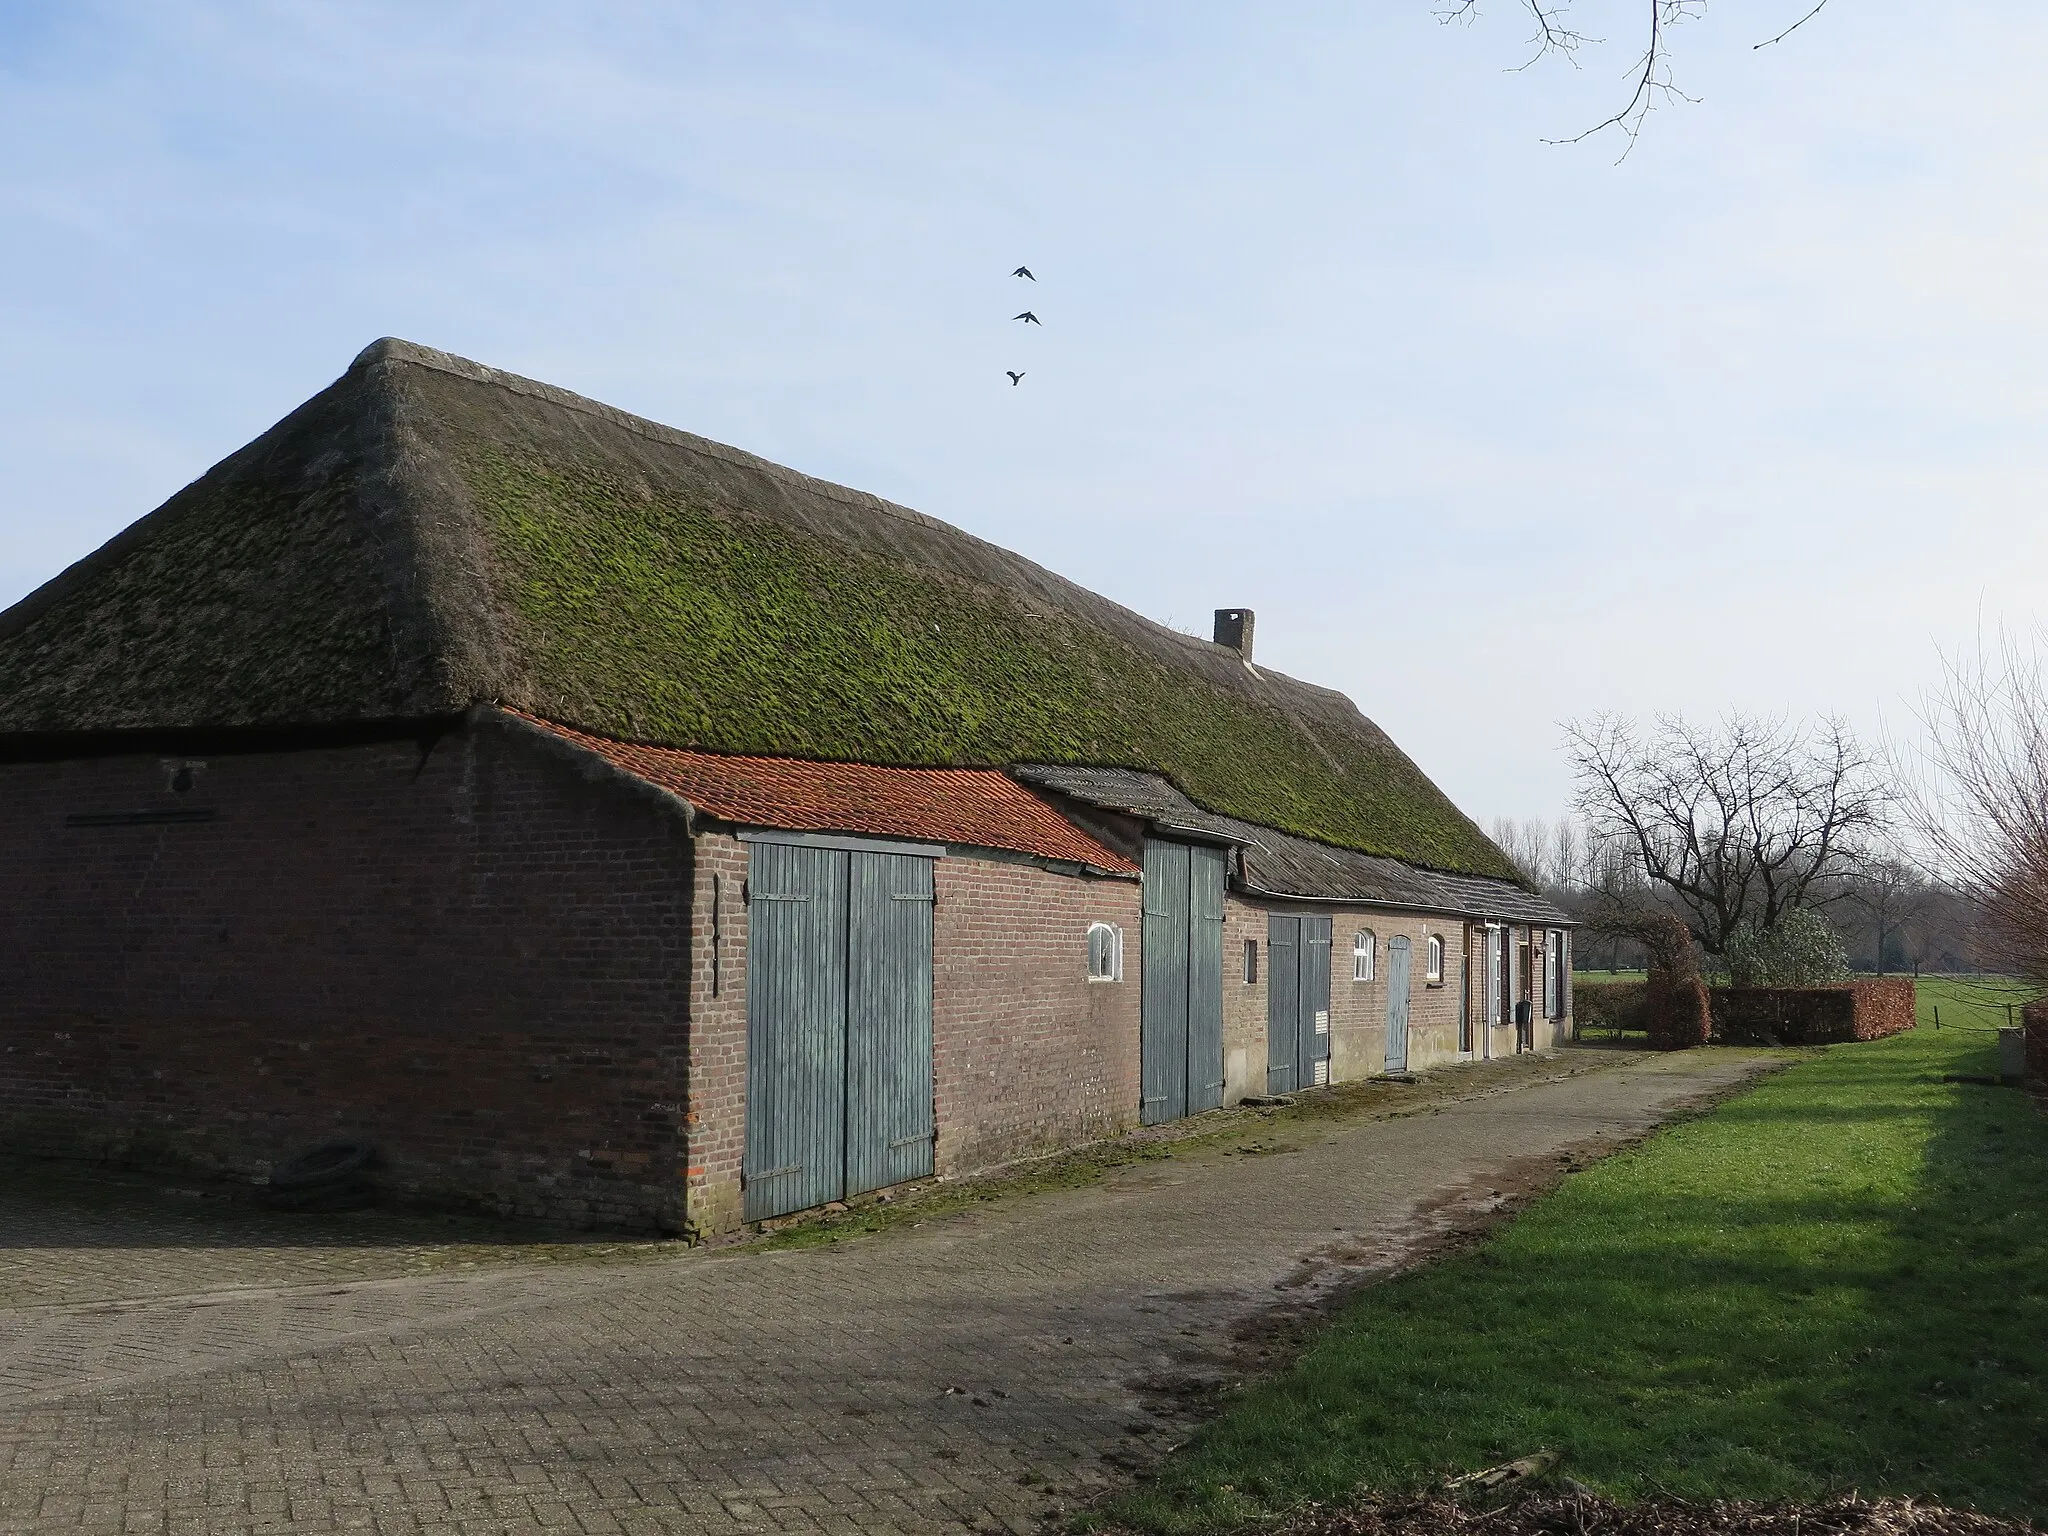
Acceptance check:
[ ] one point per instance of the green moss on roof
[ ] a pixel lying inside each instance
(427, 534)
(655, 619)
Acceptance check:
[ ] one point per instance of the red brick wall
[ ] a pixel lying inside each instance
(1029, 1054)
(475, 957)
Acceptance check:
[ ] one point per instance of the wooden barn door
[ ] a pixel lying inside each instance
(1283, 1002)
(1397, 1004)
(1297, 1002)
(839, 1024)
(1180, 1038)
(888, 1021)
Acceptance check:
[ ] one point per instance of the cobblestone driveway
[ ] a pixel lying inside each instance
(982, 1370)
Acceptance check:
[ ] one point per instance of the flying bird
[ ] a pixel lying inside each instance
(1027, 317)
(1023, 272)
(1015, 377)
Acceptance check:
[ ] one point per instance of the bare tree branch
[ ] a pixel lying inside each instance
(1980, 801)
(1802, 21)
(1737, 825)
(1654, 84)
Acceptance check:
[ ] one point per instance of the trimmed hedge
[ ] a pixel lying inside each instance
(1824, 1015)
(1680, 1014)
(2036, 1017)
(1609, 1005)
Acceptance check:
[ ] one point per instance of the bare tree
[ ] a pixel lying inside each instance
(1564, 856)
(1734, 824)
(1982, 805)
(1536, 849)
(1889, 893)
(1651, 75)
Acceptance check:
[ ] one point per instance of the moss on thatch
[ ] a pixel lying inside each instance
(516, 543)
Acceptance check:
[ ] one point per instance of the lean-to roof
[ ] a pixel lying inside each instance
(428, 533)
(1274, 863)
(975, 807)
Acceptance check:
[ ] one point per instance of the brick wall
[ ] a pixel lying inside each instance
(717, 1113)
(1244, 1003)
(1358, 1009)
(1029, 1055)
(473, 955)
(2035, 1017)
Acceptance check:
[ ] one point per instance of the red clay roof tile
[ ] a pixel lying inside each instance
(980, 807)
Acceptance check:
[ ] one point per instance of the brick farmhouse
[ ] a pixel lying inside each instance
(618, 828)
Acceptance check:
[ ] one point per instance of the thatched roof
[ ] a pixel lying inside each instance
(429, 533)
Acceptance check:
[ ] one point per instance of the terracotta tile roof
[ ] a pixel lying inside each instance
(981, 807)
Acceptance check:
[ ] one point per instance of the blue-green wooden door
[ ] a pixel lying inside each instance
(888, 1021)
(1180, 1032)
(1297, 1002)
(839, 1024)
(796, 1029)
(1397, 1004)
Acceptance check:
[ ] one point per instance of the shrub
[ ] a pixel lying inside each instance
(1801, 949)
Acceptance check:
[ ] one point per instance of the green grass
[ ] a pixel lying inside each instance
(1838, 1280)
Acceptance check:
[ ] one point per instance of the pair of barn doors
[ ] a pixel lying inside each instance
(1297, 1002)
(1180, 1036)
(839, 1021)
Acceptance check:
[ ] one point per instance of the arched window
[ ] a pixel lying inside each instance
(1433, 966)
(1105, 953)
(1364, 950)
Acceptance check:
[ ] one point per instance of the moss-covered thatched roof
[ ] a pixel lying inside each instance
(429, 533)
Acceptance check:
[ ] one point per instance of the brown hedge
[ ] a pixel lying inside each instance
(1823, 1015)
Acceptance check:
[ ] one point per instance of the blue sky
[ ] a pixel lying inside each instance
(1491, 432)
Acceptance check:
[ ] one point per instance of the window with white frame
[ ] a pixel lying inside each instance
(1364, 950)
(1105, 953)
(1251, 962)
(1553, 974)
(1433, 961)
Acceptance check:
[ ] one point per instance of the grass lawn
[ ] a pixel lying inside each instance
(1839, 1280)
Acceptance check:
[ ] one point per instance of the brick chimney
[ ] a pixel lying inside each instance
(1234, 629)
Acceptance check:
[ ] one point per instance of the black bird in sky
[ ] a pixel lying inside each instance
(1023, 272)
(1016, 378)
(1028, 318)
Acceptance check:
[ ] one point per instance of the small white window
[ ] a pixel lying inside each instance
(1251, 962)
(1433, 967)
(1105, 953)
(1363, 951)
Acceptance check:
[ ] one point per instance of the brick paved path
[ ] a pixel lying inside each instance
(979, 1371)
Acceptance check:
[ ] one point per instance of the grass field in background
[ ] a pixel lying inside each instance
(1838, 1280)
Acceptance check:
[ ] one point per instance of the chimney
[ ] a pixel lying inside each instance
(1234, 629)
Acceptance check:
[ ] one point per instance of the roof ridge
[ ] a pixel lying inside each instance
(396, 349)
